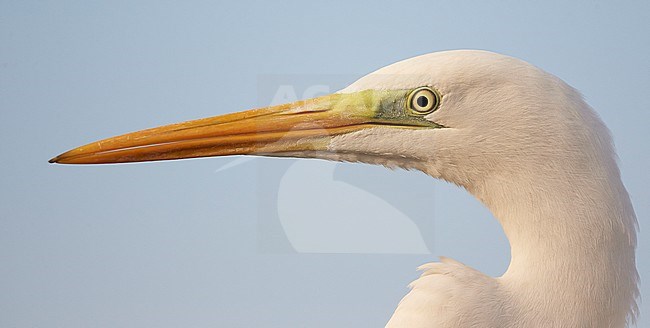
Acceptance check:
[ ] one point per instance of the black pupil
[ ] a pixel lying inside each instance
(422, 101)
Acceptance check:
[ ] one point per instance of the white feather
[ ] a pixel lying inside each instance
(528, 146)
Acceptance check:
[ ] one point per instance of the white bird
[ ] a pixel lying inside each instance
(517, 138)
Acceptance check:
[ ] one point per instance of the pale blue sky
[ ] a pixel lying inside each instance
(177, 244)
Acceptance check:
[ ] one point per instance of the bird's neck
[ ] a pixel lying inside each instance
(572, 247)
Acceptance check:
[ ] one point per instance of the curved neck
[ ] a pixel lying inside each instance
(572, 247)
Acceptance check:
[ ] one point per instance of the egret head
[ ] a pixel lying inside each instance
(457, 115)
(521, 140)
(498, 117)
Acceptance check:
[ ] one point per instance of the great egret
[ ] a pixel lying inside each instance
(519, 139)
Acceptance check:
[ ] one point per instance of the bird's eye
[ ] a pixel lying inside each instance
(423, 100)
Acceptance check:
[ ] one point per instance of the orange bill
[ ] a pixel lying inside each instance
(301, 126)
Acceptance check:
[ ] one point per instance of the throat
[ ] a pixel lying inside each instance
(572, 250)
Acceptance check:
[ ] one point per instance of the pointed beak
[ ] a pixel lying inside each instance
(297, 127)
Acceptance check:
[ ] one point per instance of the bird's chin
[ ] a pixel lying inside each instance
(387, 160)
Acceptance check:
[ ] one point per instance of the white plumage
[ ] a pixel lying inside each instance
(527, 145)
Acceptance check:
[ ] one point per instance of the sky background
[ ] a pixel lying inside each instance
(205, 243)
